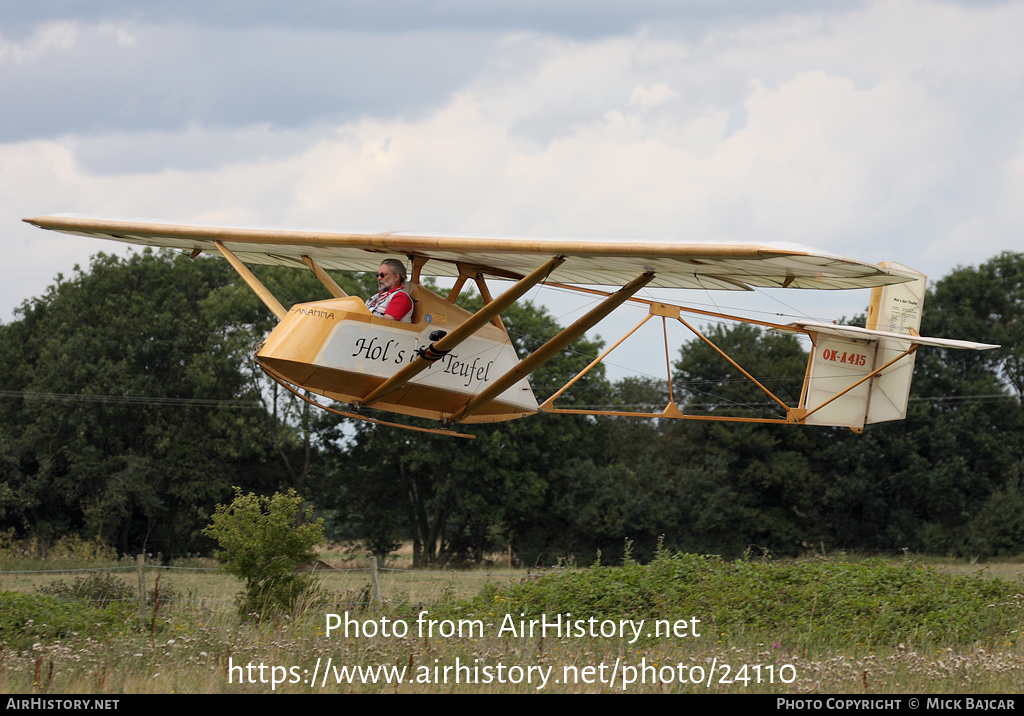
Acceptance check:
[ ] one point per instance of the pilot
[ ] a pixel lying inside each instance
(391, 302)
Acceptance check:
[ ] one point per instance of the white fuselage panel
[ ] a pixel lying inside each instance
(381, 351)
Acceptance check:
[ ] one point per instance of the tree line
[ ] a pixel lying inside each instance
(130, 407)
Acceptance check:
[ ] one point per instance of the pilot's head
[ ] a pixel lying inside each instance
(390, 274)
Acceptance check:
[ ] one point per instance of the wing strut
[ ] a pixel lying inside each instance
(328, 282)
(553, 346)
(549, 404)
(254, 283)
(485, 294)
(439, 348)
(734, 364)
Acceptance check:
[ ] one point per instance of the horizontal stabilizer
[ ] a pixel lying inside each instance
(855, 333)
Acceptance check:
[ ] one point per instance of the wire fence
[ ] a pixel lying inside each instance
(212, 588)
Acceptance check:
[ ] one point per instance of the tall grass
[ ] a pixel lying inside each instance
(862, 627)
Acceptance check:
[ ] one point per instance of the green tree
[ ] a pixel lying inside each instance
(943, 480)
(985, 304)
(758, 485)
(125, 416)
(261, 543)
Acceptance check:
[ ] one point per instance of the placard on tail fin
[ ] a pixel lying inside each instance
(838, 361)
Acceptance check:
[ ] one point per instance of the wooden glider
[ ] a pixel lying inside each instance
(454, 366)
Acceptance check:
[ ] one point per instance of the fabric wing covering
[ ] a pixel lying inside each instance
(736, 266)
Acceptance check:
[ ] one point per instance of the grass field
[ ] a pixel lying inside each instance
(808, 626)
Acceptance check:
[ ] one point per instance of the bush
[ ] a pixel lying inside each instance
(96, 587)
(261, 544)
(818, 601)
(26, 619)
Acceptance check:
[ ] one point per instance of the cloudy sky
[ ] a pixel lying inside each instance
(888, 129)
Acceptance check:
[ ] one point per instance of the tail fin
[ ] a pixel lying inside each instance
(843, 356)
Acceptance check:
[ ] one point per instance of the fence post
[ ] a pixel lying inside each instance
(376, 580)
(140, 561)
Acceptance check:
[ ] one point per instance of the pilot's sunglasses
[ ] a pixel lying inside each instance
(383, 275)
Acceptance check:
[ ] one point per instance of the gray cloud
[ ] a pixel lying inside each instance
(583, 19)
(120, 65)
(92, 79)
